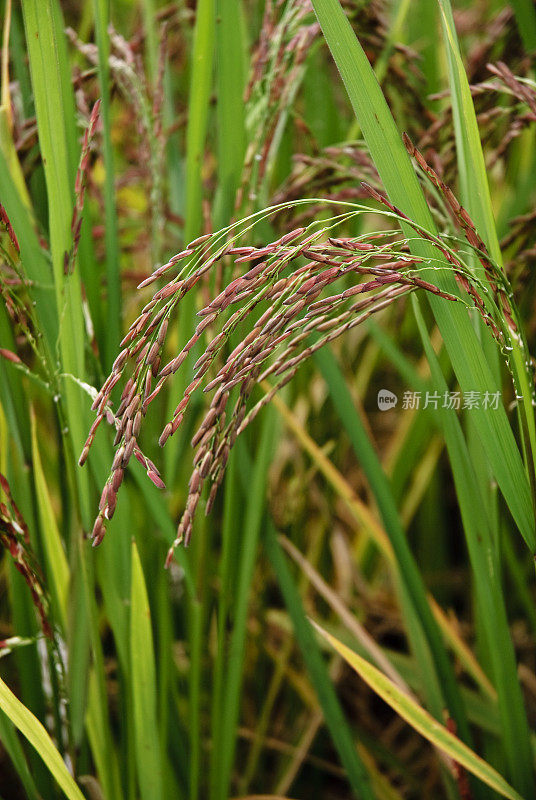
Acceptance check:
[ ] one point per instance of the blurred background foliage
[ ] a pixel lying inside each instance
(206, 680)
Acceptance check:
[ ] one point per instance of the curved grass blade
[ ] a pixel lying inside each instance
(143, 684)
(56, 560)
(33, 730)
(440, 683)
(401, 184)
(364, 518)
(477, 198)
(420, 720)
(12, 744)
(479, 536)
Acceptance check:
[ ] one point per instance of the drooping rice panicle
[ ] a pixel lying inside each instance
(293, 276)
(80, 188)
(15, 539)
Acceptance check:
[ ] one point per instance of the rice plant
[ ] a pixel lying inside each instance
(267, 436)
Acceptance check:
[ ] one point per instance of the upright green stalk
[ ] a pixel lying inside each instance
(225, 732)
(230, 106)
(198, 112)
(113, 322)
(54, 107)
(358, 776)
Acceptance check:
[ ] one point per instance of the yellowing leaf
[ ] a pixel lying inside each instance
(421, 720)
(57, 567)
(33, 730)
(144, 686)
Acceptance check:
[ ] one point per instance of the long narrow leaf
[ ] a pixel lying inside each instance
(31, 728)
(440, 681)
(253, 518)
(488, 589)
(56, 560)
(400, 181)
(54, 105)
(476, 196)
(113, 326)
(419, 719)
(143, 677)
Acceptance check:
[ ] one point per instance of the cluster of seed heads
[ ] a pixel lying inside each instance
(14, 291)
(464, 221)
(126, 68)
(287, 32)
(284, 294)
(505, 105)
(335, 173)
(15, 538)
(80, 188)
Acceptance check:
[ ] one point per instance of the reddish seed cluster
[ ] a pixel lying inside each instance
(4, 219)
(127, 421)
(80, 188)
(285, 39)
(291, 277)
(461, 216)
(17, 304)
(127, 72)
(336, 171)
(499, 124)
(15, 538)
(463, 278)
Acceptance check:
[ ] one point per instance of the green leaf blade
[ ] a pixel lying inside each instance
(143, 680)
(419, 719)
(33, 730)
